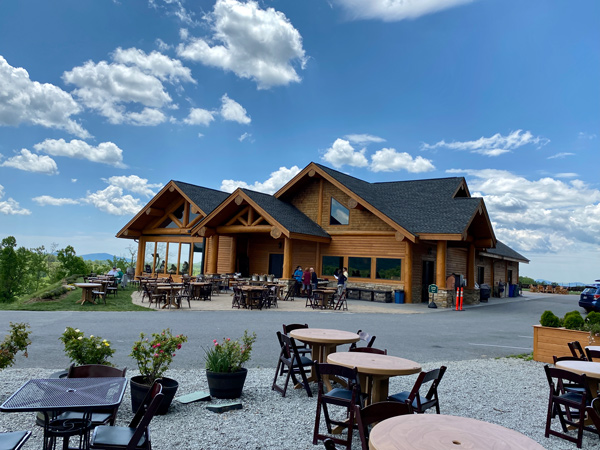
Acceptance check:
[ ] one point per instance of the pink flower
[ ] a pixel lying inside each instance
(156, 355)
(158, 345)
(161, 351)
(214, 341)
(173, 354)
(178, 346)
(228, 339)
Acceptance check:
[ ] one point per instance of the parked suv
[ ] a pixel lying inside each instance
(590, 298)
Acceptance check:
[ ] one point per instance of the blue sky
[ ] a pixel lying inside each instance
(104, 102)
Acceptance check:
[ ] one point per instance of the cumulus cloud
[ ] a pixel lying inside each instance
(363, 139)
(342, 153)
(544, 215)
(492, 146)
(23, 101)
(270, 186)
(46, 200)
(113, 201)
(395, 10)
(389, 160)
(254, 43)
(134, 184)
(233, 111)
(105, 152)
(199, 116)
(10, 207)
(135, 79)
(30, 162)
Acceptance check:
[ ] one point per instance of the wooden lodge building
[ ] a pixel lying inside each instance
(401, 235)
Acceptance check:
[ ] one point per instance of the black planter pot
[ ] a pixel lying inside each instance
(139, 389)
(226, 385)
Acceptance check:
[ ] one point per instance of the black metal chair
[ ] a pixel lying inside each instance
(348, 398)
(13, 440)
(184, 294)
(418, 402)
(577, 350)
(377, 351)
(135, 436)
(592, 355)
(303, 349)
(363, 336)
(376, 412)
(292, 364)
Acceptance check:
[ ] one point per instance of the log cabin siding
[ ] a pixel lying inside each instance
(307, 199)
(456, 261)
(371, 246)
(304, 253)
(259, 249)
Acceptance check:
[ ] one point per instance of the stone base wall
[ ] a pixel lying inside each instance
(447, 298)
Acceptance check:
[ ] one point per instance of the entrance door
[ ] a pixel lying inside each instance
(276, 264)
(427, 279)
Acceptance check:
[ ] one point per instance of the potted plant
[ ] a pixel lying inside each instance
(83, 350)
(153, 358)
(224, 361)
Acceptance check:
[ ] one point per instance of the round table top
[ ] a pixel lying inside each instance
(324, 336)
(374, 364)
(591, 369)
(87, 285)
(440, 432)
(595, 348)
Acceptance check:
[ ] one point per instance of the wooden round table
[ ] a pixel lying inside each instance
(441, 432)
(86, 291)
(589, 368)
(375, 370)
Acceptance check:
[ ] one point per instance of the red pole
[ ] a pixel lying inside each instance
(461, 298)
(457, 297)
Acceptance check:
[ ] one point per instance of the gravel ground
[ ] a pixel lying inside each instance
(509, 392)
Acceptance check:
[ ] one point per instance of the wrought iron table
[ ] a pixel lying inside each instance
(55, 395)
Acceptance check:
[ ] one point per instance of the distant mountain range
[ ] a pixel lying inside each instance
(572, 283)
(97, 256)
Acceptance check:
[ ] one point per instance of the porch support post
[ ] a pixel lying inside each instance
(233, 256)
(471, 267)
(139, 265)
(287, 258)
(408, 272)
(440, 263)
(214, 254)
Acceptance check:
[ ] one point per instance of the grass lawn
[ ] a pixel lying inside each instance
(120, 302)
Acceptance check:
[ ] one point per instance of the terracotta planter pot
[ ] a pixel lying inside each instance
(548, 342)
(226, 385)
(139, 389)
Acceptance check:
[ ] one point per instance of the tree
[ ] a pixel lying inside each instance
(71, 264)
(37, 266)
(9, 282)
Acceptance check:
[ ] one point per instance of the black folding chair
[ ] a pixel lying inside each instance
(291, 364)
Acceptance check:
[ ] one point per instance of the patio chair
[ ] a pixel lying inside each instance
(303, 349)
(593, 412)
(347, 398)
(418, 402)
(100, 293)
(567, 387)
(13, 440)
(184, 294)
(567, 405)
(291, 364)
(329, 444)
(136, 435)
(377, 351)
(341, 302)
(316, 300)
(592, 355)
(577, 350)
(363, 336)
(376, 412)
(238, 298)
(274, 296)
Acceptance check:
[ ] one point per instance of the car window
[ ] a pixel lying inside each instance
(589, 290)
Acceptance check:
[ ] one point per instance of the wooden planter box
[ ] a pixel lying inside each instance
(548, 342)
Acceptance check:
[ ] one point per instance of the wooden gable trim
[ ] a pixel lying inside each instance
(313, 170)
(121, 233)
(462, 185)
(441, 237)
(481, 210)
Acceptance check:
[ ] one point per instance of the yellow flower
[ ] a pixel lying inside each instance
(80, 338)
(107, 344)
(91, 336)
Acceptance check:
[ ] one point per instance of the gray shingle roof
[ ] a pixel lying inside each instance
(504, 250)
(420, 206)
(204, 198)
(286, 214)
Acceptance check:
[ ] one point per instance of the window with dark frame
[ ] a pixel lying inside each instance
(340, 215)
(388, 269)
(359, 267)
(331, 263)
(480, 275)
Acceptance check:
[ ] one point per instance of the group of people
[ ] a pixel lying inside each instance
(306, 280)
(117, 273)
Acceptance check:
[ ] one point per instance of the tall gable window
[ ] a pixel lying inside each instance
(339, 213)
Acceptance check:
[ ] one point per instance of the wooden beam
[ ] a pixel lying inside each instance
(239, 200)
(132, 233)
(257, 221)
(483, 243)
(471, 267)
(139, 265)
(353, 204)
(195, 221)
(408, 271)
(227, 229)
(275, 233)
(399, 236)
(360, 233)
(312, 173)
(155, 212)
(287, 259)
(213, 255)
(440, 262)
(237, 216)
(172, 189)
(206, 232)
(176, 220)
(186, 214)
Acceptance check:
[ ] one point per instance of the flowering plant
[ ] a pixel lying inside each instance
(17, 341)
(86, 350)
(154, 356)
(229, 356)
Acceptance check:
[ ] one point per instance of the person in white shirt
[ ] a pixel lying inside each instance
(113, 272)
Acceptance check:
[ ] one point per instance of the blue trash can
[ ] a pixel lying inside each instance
(399, 296)
(511, 290)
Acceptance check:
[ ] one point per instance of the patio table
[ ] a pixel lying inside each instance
(172, 290)
(589, 368)
(86, 291)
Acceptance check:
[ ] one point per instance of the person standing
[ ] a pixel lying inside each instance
(306, 282)
(341, 282)
(314, 281)
(345, 272)
(298, 277)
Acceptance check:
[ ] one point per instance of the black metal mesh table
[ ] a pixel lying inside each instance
(61, 394)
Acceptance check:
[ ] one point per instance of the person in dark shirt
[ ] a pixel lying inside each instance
(314, 281)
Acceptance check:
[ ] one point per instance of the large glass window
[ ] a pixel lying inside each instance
(388, 269)
(198, 258)
(330, 263)
(159, 257)
(184, 259)
(149, 257)
(359, 267)
(340, 215)
(172, 257)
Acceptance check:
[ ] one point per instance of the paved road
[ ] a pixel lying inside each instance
(499, 328)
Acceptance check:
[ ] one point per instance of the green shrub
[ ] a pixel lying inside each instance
(53, 293)
(573, 321)
(548, 319)
(593, 318)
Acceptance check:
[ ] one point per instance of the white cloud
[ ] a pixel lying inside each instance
(11, 207)
(31, 102)
(270, 186)
(363, 139)
(544, 215)
(233, 111)
(199, 116)
(494, 145)
(46, 200)
(30, 162)
(566, 175)
(174, 8)
(112, 201)
(155, 63)
(342, 153)
(105, 152)
(245, 136)
(135, 184)
(395, 10)
(561, 155)
(587, 136)
(389, 160)
(259, 44)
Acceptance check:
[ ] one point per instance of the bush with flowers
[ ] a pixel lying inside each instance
(86, 350)
(17, 341)
(230, 355)
(154, 356)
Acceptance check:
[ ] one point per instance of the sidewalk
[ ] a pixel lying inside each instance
(222, 302)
